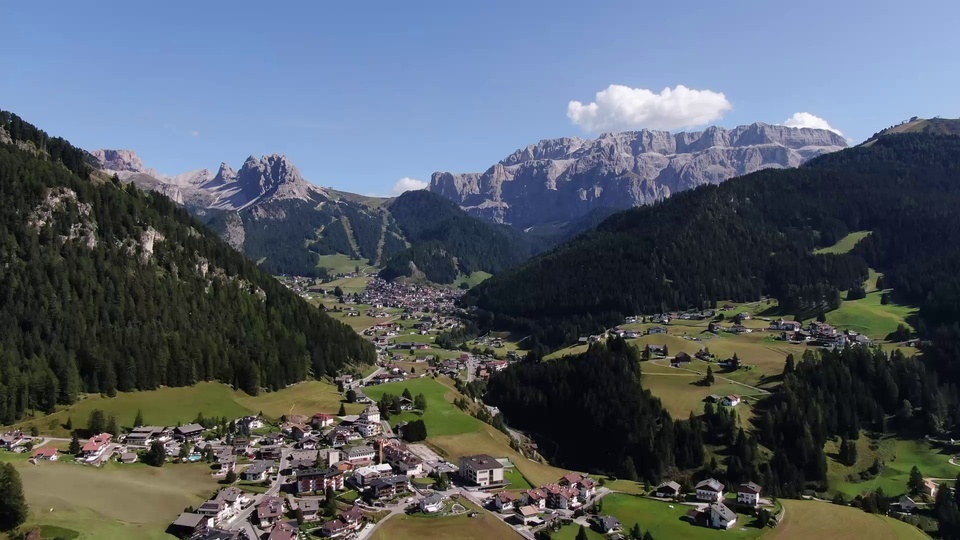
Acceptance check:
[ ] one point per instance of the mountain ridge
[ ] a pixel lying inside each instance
(563, 179)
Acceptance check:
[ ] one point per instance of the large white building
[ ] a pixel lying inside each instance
(481, 469)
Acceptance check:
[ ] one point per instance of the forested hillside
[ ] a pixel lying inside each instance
(106, 288)
(445, 241)
(751, 236)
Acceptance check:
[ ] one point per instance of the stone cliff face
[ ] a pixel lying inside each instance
(564, 179)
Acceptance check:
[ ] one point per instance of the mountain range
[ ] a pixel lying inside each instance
(267, 210)
(561, 180)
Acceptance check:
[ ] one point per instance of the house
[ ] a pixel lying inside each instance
(930, 488)
(730, 401)
(359, 454)
(562, 497)
(94, 447)
(10, 439)
(668, 490)
(722, 517)
(258, 471)
(143, 435)
(402, 459)
(299, 431)
(190, 525)
(322, 420)
(658, 350)
(710, 490)
(505, 501)
(129, 457)
(227, 462)
(712, 398)
(269, 511)
(270, 453)
(189, 432)
(907, 504)
(328, 455)
(47, 453)
(536, 498)
(609, 524)
(481, 469)
(749, 494)
(318, 480)
(528, 514)
(786, 326)
(251, 422)
(215, 509)
(389, 486)
(682, 357)
(362, 476)
(656, 330)
(283, 531)
(432, 504)
(310, 508)
(219, 534)
(588, 488)
(345, 523)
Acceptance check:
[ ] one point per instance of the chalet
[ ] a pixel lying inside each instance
(258, 471)
(215, 509)
(536, 498)
(907, 504)
(505, 501)
(269, 511)
(739, 329)
(668, 490)
(722, 517)
(528, 514)
(703, 354)
(712, 398)
(362, 398)
(786, 326)
(189, 432)
(740, 317)
(588, 488)
(389, 486)
(658, 350)
(283, 531)
(359, 454)
(822, 330)
(609, 524)
(481, 469)
(94, 447)
(347, 522)
(47, 453)
(318, 480)
(431, 504)
(656, 330)
(562, 497)
(298, 431)
(730, 401)
(271, 439)
(749, 494)
(129, 457)
(322, 420)
(270, 452)
(709, 490)
(930, 488)
(345, 382)
(309, 443)
(227, 462)
(402, 459)
(10, 439)
(251, 422)
(190, 525)
(682, 357)
(310, 509)
(362, 476)
(144, 435)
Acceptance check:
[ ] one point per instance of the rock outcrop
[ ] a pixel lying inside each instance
(560, 180)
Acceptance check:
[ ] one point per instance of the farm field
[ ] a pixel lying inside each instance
(898, 456)
(868, 316)
(115, 502)
(416, 527)
(168, 406)
(845, 244)
(661, 520)
(814, 519)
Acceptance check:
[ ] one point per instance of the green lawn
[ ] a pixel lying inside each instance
(472, 279)
(808, 520)
(845, 244)
(413, 338)
(516, 479)
(661, 520)
(868, 316)
(114, 502)
(898, 456)
(342, 264)
(442, 417)
(681, 394)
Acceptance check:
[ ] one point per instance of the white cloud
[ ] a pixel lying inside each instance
(807, 120)
(408, 184)
(620, 108)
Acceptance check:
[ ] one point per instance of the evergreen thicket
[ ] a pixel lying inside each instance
(88, 308)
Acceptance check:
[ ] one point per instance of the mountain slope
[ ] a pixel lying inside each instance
(755, 235)
(560, 180)
(447, 242)
(933, 126)
(107, 288)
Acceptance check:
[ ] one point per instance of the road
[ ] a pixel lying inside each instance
(242, 520)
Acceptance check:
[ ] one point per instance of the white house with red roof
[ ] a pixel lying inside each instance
(93, 448)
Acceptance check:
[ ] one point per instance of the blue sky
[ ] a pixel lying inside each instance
(360, 95)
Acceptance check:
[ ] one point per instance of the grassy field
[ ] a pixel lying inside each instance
(349, 285)
(681, 394)
(418, 526)
(516, 479)
(805, 520)
(898, 456)
(472, 279)
(661, 520)
(868, 316)
(413, 338)
(845, 244)
(342, 264)
(115, 502)
(168, 406)
(442, 417)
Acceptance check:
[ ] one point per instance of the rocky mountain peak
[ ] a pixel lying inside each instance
(119, 161)
(564, 179)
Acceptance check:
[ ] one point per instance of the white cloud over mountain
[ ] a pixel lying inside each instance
(408, 184)
(619, 108)
(807, 120)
